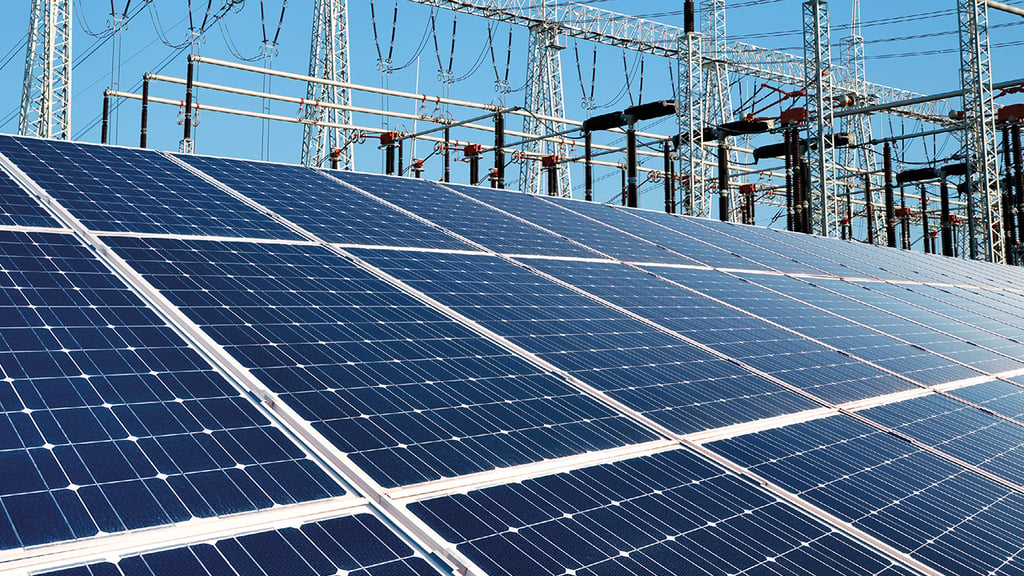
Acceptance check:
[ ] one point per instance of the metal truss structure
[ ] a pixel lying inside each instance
(717, 93)
(691, 124)
(979, 142)
(858, 160)
(545, 99)
(328, 60)
(46, 92)
(824, 209)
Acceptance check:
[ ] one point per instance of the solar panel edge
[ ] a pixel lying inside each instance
(199, 530)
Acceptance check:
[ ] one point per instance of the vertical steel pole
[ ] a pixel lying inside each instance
(186, 143)
(143, 136)
(104, 125)
(670, 200)
(588, 168)
(947, 224)
(925, 228)
(723, 180)
(869, 208)
(890, 208)
(631, 178)
(447, 177)
(499, 150)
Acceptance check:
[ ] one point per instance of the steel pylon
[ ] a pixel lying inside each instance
(328, 59)
(545, 101)
(46, 93)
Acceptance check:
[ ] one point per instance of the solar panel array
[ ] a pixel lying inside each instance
(216, 366)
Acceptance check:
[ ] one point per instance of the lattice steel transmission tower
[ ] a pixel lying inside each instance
(328, 59)
(819, 81)
(859, 158)
(692, 153)
(979, 142)
(46, 93)
(717, 95)
(545, 99)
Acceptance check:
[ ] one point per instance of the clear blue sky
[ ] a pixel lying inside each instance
(910, 44)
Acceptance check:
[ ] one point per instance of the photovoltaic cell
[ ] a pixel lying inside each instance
(823, 251)
(991, 443)
(570, 224)
(941, 514)
(412, 395)
(965, 325)
(470, 218)
(713, 248)
(898, 320)
(759, 244)
(109, 421)
(1005, 398)
(354, 546)
(834, 319)
(332, 211)
(790, 357)
(129, 190)
(996, 311)
(662, 515)
(674, 383)
(17, 208)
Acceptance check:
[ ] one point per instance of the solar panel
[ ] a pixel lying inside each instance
(903, 322)
(332, 211)
(570, 224)
(128, 190)
(995, 336)
(848, 380)
(17, 208)
(110, 421)
(979, 308)
(1005, 398)
(708, 245)
(955, 520)
(993, 444)
(760, 244)
(905, 348)
(799, 362)
(663, 515)
(353, 545)
(470, 218)
(674, 383)
(410, 394)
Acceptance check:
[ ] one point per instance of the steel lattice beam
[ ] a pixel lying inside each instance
(979, 140)
(858, 159)
(691, 123)
(824, 211)
(46, 92)
(545, 98)
(615, 29)
(328, 59)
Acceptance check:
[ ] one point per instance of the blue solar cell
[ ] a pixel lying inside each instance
(130, 190)
(991, 443)
(465, 216)
(332, 211)
(88, 424)
(826, 373)
(1004, 398)
(660, 515)
(17, 208)
(905, 348)
(569, 223)
(920, 503)
(892, 320)
(671, 232)
(354, 545)
(411, 394)
(963, 324)
(674, 383)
